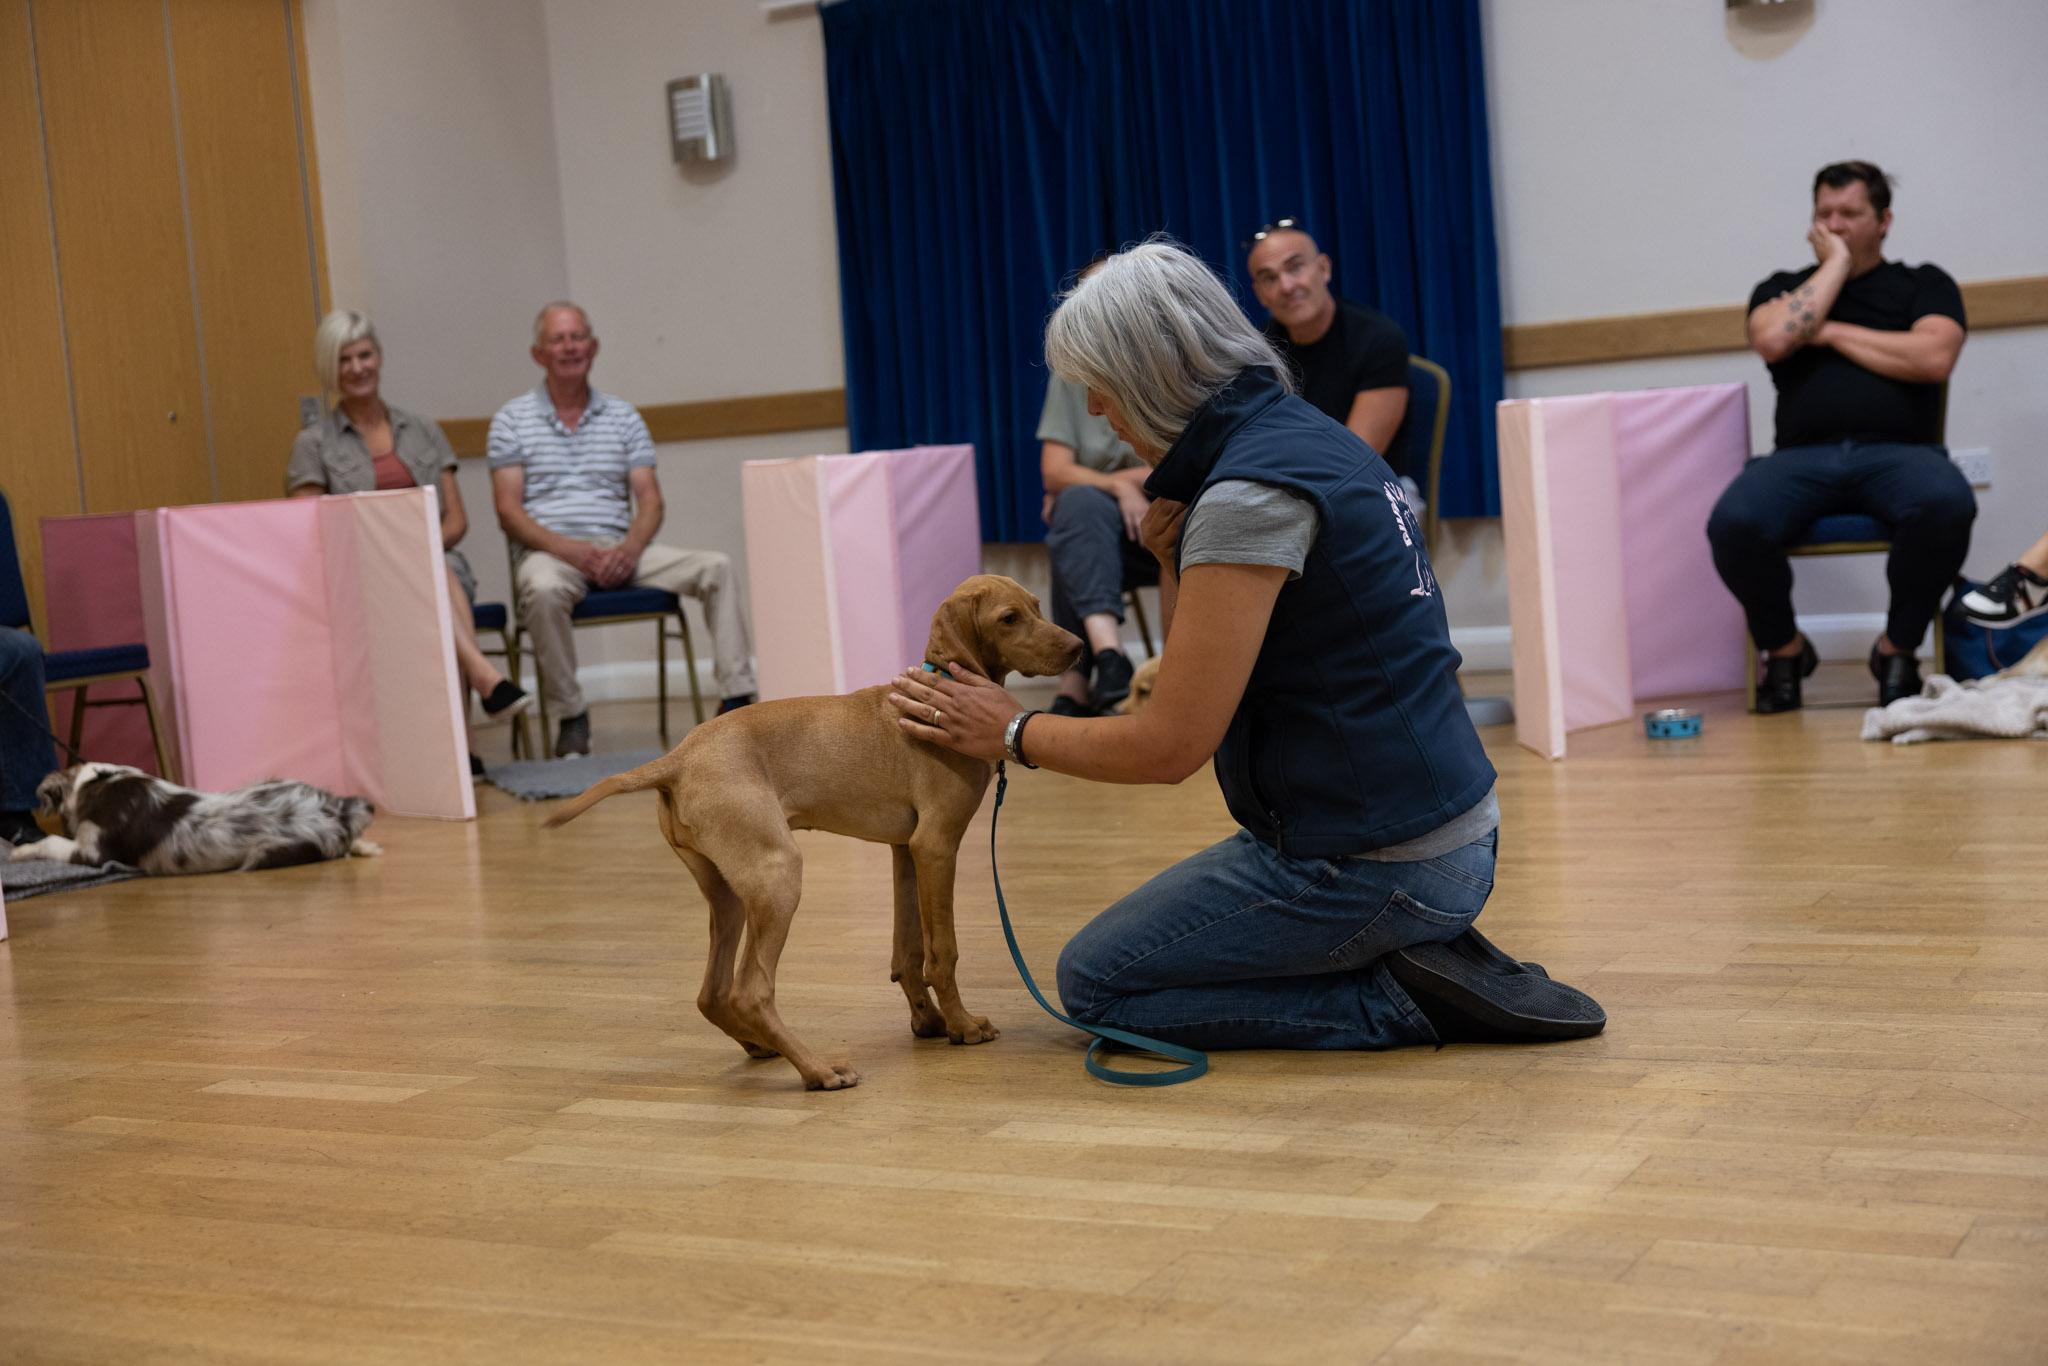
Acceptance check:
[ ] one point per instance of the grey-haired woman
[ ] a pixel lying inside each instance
(1308, 653)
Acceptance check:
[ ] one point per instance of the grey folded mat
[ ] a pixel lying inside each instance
(33, 877)
(536, 780)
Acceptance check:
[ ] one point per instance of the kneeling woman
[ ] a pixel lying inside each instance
(1308, 652)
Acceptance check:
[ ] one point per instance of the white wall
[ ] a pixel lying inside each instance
(435, 133)
(1658, 154)
(1649, 155)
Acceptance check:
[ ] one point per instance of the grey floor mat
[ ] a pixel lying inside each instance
(33, 877)
(537, 780)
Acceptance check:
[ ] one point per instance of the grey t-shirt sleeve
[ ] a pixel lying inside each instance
(1240, 521)
(305, 468)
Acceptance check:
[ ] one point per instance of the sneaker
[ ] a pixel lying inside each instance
(1112, 680)
(574, 737)
(508, 699)
(1064, 705)
(2013, 595)
(19, 827)
(1780, 689)
(1897, 676)
(735, 702)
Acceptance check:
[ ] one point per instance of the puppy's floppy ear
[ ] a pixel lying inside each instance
(956, 629)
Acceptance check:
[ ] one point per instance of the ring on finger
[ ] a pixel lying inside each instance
(936, 714)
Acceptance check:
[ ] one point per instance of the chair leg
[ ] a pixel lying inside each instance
(690, 662)
(164, 767)
(77, 718)
(522, 738)
(661, 675)
(1137, 602)
(1749, 667)
(540, 686)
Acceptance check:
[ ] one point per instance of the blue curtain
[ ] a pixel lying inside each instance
(982, 150)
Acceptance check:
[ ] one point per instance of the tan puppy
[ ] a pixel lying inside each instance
(733, 790)
(1141, 687)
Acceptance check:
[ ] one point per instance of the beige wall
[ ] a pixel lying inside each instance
(1647, 157)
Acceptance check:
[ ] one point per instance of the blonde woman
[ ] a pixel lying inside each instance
(364, 443)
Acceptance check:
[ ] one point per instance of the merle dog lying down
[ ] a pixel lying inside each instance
(114, 814)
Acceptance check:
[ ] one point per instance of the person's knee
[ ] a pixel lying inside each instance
(541, 596)
(1948, 507)
(1734, 525)
(1079, 986)
(1079, 507)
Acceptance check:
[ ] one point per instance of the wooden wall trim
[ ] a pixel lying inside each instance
(2018, 302)
(806, 410)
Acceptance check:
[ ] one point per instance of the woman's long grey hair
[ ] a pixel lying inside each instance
(1155, 330)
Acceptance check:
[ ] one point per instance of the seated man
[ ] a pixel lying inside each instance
(1094, 503)
(572, 475)
(26, 755)
(1352, 360)
(1859, 348)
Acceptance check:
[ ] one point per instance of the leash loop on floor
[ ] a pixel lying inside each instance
(1194, 1061)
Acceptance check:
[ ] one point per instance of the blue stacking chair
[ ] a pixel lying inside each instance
(617, 607)
(79, 671)
(1429, 409)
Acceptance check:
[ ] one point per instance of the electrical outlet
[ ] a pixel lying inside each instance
(1975, 463)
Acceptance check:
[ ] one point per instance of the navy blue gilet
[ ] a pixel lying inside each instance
(1352, 733)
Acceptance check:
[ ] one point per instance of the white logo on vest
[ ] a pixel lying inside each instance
(1411, 536)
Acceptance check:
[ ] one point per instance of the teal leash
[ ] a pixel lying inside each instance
(1195, 1062)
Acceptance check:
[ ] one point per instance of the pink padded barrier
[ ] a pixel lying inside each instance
(92, 597)
(1612, 593)
(847, 558)
(307, 639)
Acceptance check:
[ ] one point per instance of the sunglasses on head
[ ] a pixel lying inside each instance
(1265, 230)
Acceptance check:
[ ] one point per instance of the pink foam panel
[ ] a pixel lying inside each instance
(1532, 589)
(398, 693)
(862, 577)
(250, 643)
(1676, 450)
(92, 594)
(784, 516)
(1576, 438)
(937, 521)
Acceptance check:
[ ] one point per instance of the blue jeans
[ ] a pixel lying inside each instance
(1243, 947)
(26, 755)
(1093, 561)
(1915, 490)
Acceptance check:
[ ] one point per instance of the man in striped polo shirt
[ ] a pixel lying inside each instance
(572, 474)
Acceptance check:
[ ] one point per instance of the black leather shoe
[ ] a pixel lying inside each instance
(1897, 676)
(1113, 672)
(1472, 991)
(1782, 675)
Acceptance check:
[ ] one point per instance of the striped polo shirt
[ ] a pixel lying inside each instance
(575, 481)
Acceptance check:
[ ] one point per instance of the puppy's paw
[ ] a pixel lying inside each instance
(365, 849)
(978, 1030)
(836, 1077)
(55, 848)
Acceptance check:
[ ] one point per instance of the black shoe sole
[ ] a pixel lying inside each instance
(1521, 1004)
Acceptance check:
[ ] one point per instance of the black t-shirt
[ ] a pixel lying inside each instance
(1823, 396)
(1364, 349)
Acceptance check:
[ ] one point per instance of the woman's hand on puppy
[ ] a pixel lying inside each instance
(966, 712)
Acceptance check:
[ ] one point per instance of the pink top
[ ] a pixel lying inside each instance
(391, 472)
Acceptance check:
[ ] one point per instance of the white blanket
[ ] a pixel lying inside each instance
(2003, 707)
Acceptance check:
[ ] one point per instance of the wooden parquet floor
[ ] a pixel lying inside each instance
(456, 1104)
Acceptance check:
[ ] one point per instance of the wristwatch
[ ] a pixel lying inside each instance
(1013, 738)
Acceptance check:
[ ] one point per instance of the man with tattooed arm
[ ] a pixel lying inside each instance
(1860, 349)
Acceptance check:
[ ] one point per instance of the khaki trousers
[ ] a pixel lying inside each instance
(549, 590)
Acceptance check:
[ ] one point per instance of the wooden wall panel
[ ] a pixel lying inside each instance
(120, 226)
(236, 88)
(38, 459)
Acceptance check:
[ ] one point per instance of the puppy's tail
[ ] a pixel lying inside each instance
(633, 780)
